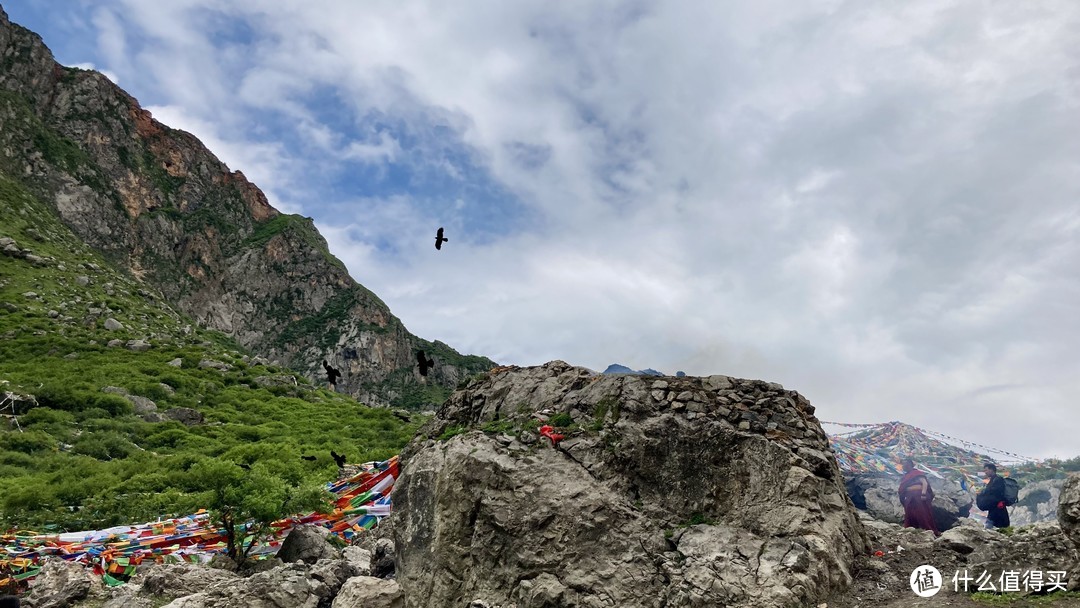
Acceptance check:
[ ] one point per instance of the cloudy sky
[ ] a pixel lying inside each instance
(874, 203)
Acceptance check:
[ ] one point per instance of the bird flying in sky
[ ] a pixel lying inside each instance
(439, 240)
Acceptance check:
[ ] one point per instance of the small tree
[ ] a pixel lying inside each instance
(244, 502)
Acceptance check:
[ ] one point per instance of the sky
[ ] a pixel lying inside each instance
(876, 204)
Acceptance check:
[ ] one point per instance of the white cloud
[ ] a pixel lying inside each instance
(873, 203)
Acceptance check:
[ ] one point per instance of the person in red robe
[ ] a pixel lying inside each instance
(917, 497)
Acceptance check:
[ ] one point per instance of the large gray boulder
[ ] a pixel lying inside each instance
(288, 586)
(178, 580)
(1037, 502)
(1042, 547)
(1069, 508)
(967, 539)
(360, 558)
(185, 415)
(334, 573)
(59, 584)
(308, 544)
(369, 592)
(670, 491)
(876, 494)
(1069, 516)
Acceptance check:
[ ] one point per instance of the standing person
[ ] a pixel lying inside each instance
(992, 498)
(917, 497)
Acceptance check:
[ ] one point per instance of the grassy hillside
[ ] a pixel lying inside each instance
(100, 446)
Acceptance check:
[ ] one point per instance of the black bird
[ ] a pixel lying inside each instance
(338, 458)
(332, 374)
(308, 458)
(402, 416)
(439, 239)
(424, 363)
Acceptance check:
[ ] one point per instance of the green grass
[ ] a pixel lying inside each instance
(561, 420)
(496, 427)
(84, 459)
(452, 431)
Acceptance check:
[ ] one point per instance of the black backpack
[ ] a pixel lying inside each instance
(1012, 491)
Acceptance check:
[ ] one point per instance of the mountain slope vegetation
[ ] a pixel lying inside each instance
(109, 423)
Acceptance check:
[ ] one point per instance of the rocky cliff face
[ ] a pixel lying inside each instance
(1038, 502)
(157, 203)
(665, 492)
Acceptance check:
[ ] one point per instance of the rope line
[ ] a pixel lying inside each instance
(964, 442)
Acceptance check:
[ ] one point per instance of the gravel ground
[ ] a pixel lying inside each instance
(878, 584)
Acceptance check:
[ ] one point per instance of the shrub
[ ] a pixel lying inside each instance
(452, 431)
(29, 442)
(245, 502)
(561, 420)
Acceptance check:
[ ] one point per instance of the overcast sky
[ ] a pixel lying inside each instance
(874, 203)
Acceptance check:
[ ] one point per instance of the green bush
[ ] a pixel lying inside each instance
(30, 442)
(561, 420)
(452, 431)
(104, 445)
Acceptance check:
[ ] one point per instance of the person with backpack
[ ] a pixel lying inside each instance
(917, 497)
(992, 498)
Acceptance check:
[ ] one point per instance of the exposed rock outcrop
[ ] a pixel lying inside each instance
(1069, 515)
(60, 584)
(674, 491)
(369, 592)
(1037, 502)
(1041, 547)
(1069, 508)
(179, 580)
(307, 544)
(984, 557)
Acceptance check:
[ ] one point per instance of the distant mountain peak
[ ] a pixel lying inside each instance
(616, 368)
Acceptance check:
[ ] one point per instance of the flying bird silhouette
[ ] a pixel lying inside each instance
(308, 458)
(338, 458)
(402, 416)
(424, 363)
(439, 239)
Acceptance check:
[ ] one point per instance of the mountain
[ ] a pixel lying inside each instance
(615, 368)
(159, 206)
(110, 397)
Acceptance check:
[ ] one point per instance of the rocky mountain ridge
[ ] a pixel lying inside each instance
(156, 203)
